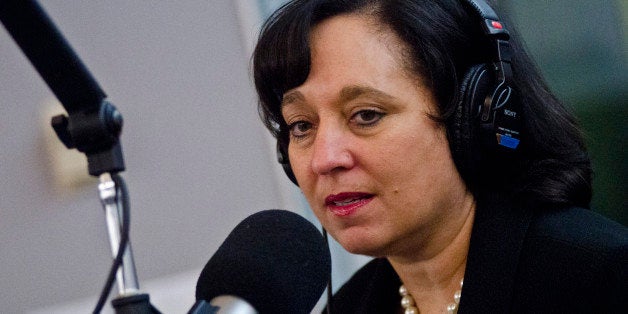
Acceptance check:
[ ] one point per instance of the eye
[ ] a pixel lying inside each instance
(299, 129)
(367, 117)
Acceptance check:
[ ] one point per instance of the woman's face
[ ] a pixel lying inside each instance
(375, 169)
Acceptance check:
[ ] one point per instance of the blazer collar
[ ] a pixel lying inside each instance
(498, 233)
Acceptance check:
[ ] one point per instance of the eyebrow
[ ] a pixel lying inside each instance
(352, 92)
(347, 93)
(292, 97)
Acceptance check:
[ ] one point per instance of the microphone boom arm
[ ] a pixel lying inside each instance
(93, 125)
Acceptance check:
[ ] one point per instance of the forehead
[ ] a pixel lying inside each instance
(362, 33)
(361, 41)
(355, 54)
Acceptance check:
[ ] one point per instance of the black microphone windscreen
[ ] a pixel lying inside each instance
(274, 259)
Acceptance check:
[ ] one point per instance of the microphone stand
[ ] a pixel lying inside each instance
(92, 126)
(125, 276)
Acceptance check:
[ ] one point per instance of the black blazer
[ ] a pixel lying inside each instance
(520, 260)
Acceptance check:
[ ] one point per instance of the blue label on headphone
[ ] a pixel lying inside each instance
(507, 141)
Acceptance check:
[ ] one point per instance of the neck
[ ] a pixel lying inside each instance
(432, 275)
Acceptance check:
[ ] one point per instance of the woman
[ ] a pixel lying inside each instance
(431, 143)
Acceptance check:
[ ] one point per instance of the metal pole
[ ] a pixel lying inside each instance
(126, 277)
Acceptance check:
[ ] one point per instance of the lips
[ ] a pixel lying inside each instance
(345, 204)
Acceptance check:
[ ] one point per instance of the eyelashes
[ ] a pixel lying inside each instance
(367, 117)
(299, 129)
(362, 119)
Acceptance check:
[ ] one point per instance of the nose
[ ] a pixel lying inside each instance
(331, 151)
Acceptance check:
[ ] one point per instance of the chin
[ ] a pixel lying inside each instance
(361, 246)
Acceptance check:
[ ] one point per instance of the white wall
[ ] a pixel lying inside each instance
(197, 156)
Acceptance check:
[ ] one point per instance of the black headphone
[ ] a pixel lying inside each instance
(485, 118)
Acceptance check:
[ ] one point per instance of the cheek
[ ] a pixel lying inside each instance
(299, 165)
(420, 159)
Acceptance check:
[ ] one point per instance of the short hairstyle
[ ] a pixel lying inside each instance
(444, 40)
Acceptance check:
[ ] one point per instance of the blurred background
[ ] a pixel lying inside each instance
(198, 158)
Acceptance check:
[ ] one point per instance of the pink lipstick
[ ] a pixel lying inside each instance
(344, 204)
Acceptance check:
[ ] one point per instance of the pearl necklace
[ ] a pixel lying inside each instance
(407, 301)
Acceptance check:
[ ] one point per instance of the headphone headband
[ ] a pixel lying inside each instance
(491, 23)
(495, 30)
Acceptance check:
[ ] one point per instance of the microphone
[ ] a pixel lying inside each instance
(224, 304)
(274, 260)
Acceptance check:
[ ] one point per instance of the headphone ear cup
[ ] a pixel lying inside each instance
(464, 133)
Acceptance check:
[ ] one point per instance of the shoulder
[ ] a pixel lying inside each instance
(372, 289)
(576, 241)
(574, 257)
(579, 229)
